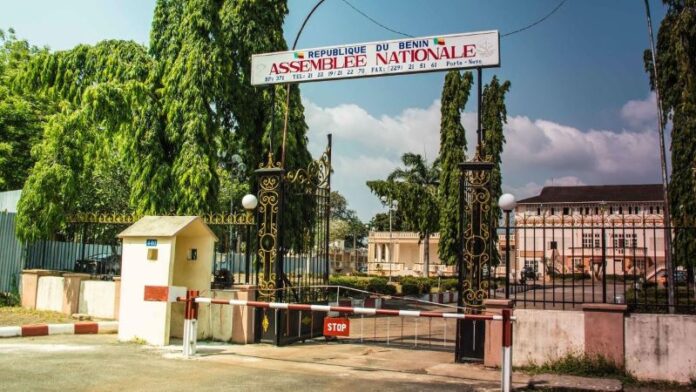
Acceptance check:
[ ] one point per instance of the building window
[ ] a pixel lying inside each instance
(566, 211)
(630, 210)
(611, 210)
(651, 210)
(596, 210)
(553, 211)
(620, 210)
(587, 210)
(658, 210)
(631, 240)
(586, 240)
(636, 210)
(538, 211)
(553, 245)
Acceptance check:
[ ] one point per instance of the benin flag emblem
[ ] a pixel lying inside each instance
(299, 55)
(438, 41)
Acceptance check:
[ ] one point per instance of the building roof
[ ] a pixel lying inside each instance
(166, 226)
(597, 193)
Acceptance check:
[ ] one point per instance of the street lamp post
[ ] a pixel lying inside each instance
(507, 203)
(392, 205)
(249, 202)
(237, 169)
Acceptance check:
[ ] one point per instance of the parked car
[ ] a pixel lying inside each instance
(527, 273)
(660, 277)
(100, 264)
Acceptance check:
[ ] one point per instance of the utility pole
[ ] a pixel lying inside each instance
(667, 220)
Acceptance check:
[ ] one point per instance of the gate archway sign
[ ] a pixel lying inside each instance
(380, 58)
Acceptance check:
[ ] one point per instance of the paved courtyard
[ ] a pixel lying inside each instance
(100, 363)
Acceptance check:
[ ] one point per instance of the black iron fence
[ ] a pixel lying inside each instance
(560, 265)
(234, 262)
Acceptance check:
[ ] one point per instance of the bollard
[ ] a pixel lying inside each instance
(190, 323)
(506, 368)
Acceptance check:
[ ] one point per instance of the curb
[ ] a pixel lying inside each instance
(59, 329)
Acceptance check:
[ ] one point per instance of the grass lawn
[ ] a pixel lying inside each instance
(14, 316)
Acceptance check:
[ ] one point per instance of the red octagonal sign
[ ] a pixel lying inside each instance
(336, 326)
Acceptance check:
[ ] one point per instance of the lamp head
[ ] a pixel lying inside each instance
(249, 202)
(507, 202)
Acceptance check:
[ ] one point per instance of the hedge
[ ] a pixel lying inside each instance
(373, 285)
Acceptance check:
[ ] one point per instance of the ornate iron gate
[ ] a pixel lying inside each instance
(476, 255)
(293, 262)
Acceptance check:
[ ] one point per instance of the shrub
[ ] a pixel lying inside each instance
(9, 299)
(582, 365)
(374, 285)
(414, 286)
(381, 286)
(448, 284)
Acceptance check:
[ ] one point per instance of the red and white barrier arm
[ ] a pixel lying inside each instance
(343, 309)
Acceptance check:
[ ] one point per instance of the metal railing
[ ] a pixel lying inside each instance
(563, 265)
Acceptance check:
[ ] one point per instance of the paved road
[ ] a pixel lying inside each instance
(100, 363)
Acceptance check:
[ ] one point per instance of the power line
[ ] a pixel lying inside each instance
(371, 19)
(374, 21)
(537, 22)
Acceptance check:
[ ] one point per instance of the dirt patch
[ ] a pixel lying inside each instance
(13, 316)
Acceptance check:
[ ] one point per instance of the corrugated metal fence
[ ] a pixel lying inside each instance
(10, 253)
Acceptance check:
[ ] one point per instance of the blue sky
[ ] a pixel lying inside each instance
(579, 109)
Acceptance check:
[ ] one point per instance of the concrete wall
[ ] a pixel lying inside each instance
(49, 293)
(661, 347)
(543, 335)
(228, 323)
(97, 298)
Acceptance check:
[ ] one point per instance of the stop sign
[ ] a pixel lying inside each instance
(336, 326)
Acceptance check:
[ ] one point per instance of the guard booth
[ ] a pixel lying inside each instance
(162, 257)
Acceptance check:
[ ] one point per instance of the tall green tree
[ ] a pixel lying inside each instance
(95, 90)
(415, 188)
(455, 94)
(676, 78)
(257, 113)
(380, 222)
(189, 76)
(493, 117)
(21, 115)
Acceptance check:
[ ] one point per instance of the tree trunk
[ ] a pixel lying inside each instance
(426, 255)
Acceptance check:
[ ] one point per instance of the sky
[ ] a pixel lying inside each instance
(580, 110)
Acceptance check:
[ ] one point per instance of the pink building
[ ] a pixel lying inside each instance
(572, 229)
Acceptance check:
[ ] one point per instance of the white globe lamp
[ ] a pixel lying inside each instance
(249, 202)
(507, 202)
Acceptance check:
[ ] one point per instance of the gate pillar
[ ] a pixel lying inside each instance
(475, 255)
(270, 180)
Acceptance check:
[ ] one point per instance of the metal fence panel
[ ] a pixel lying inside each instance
(562, 265)
(10, 253)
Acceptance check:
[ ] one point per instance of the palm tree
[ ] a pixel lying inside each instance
(415, 188)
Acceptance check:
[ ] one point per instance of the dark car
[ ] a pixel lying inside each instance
(527, 273)
(100, 264)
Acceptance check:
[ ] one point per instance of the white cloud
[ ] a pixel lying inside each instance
(641, 114)
(537, 153)
(414, 129)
